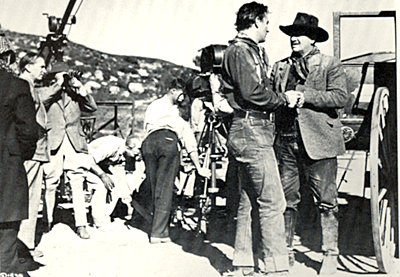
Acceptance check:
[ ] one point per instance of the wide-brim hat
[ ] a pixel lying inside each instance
(5, 47)
(306, 25)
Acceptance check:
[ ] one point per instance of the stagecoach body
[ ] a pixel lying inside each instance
(370, 131)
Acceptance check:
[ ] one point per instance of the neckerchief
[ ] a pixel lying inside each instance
(300, 63)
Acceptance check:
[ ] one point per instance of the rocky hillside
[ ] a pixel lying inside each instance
(113, 78)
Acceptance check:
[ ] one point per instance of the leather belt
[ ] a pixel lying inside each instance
(251, 114)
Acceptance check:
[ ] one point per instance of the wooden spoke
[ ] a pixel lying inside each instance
(383, 208)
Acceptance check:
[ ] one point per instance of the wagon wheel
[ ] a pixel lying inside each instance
(383, 209)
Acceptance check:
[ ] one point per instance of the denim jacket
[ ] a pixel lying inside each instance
(244, 72)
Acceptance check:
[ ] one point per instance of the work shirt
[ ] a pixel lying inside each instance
(159, 108)
(107, 148)
(244, 72)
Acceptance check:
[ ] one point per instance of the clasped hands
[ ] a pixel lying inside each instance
(294, 98)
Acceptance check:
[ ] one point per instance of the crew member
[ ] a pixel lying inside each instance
(166, 133)
(250, 141)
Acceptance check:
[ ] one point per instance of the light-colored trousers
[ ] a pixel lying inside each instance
(100, 210)
(34, 171)
(75, 165)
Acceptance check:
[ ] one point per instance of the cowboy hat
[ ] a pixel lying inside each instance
(306, 25)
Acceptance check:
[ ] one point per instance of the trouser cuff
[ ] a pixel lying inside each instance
(276, 263)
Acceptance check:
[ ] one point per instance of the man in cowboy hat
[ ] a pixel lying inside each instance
(309, 136)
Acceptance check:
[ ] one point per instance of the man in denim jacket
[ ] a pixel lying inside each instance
(309, 136)
(250, 141)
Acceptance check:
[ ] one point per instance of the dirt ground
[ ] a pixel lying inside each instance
(126, 251)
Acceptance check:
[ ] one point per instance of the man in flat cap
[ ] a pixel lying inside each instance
(309, 136)
(67, 143)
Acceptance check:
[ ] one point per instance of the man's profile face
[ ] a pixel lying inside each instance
(301, 44)
(37, 69)
(262, 25)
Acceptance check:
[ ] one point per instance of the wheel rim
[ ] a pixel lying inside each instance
(382, 201)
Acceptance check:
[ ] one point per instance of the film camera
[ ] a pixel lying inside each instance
(210, 62)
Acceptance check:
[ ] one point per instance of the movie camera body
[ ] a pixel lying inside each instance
(210, 62)
(56, 40)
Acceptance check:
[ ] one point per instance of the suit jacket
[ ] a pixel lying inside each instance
(42, 153)
(64, 116)
(19, 133)
(325, 93)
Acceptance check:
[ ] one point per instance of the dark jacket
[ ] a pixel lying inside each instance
(19, 133)
(325, 93)
(244, 72)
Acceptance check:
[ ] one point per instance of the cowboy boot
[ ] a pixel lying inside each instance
(329, 226)
(290, 216)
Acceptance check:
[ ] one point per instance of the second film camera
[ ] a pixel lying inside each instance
(210, 62)
(74, 74)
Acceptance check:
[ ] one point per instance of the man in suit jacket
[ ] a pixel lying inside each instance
(19, 133)
(309, 136)
(67, 144)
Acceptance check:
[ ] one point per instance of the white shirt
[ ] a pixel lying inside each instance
(157, 109)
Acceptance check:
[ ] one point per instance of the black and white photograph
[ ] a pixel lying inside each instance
(199, 138)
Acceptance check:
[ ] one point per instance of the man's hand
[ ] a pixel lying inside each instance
(78, 86)
(293, 97)
(107, 181)
(204, 172)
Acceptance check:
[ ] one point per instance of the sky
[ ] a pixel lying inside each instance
(174, 30)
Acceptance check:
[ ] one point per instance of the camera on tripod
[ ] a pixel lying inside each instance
(210, 62)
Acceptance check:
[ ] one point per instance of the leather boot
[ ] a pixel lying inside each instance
(329, 226)
(290, 216)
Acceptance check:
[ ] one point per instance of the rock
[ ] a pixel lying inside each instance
(114, 90)
(125, 93)
(79, 63)
(113, 79)
(136, 87)
(98, 74)
(143, 72)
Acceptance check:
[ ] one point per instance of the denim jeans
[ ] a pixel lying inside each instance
(162, 159)
(260, 223)
(297, 169)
